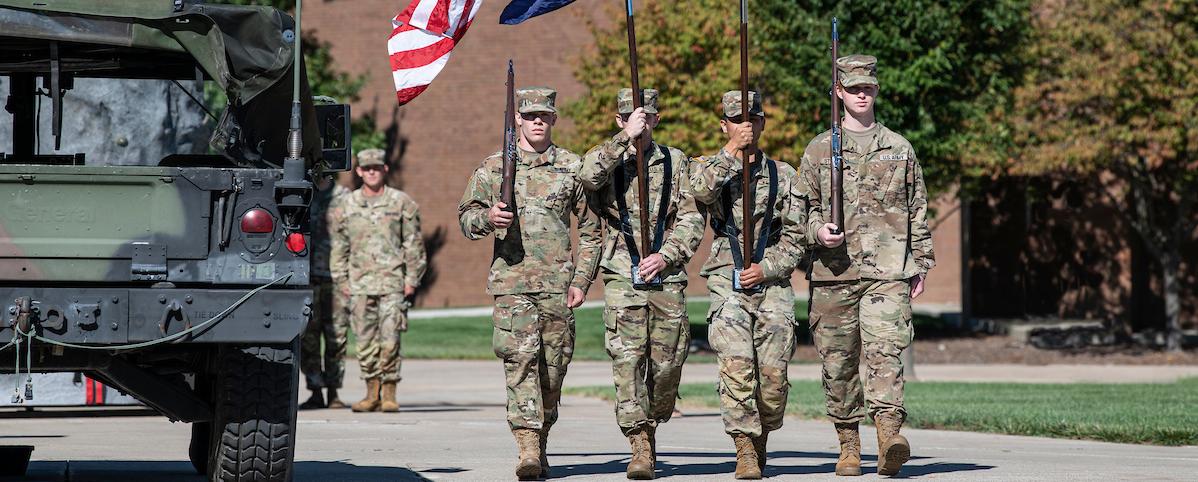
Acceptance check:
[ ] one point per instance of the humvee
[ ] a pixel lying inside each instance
(182, 281)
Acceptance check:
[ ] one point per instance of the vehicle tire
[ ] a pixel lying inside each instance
(256, 399)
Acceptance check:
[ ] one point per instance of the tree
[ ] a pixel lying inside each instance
(1114, 89)
(940, 70)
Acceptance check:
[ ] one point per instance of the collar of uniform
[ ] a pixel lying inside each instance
(532, 159)
(875, 144)
(655, 155)
(363, 200)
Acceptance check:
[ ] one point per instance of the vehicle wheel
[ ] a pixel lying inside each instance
(201, 442)
(256, 399)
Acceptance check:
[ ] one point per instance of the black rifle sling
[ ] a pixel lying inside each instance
(728, 229)
(659, 229)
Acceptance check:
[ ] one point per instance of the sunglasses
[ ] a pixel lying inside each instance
(530, 116)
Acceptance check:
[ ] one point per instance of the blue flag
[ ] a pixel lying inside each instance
(521, 10)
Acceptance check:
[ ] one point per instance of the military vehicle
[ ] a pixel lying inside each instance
(183, 281)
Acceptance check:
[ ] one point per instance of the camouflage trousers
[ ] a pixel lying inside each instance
(647, 336)
(754, 337)
(378, 321)
(329, 321)
(534, 336)
(868, 319)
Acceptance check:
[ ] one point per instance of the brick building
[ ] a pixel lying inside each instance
(438, 139)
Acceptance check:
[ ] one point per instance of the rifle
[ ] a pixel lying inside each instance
(746, 183)
(837, 193)
(506, 189)
(642, 170)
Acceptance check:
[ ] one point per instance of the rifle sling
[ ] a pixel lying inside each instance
(622, 185)
(727, 227)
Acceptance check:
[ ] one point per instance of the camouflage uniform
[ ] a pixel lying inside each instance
(752, 333)
(860, 301)
(329, 318)
(377, 250)
(532, 267)
(647, 330)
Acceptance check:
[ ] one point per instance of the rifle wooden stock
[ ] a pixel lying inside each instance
(506, 194)
(745, 106)
(642, 170)
(837, 156)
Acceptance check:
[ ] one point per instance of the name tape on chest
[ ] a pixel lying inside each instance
(893, 157)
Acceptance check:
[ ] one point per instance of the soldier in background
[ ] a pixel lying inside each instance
(533, 277)
(329, 318)
(753, 328)
(864, 277)
(647, 329)
(377, 259)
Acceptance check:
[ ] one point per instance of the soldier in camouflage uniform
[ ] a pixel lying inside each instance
(647, 329)
(329, 319)
(378, 256)
(535, 281)
(753, 329)
(863, 278)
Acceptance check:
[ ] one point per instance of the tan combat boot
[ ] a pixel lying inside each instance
(893, 449)
(529, 443)
(640, 467)
(389, 404)
(652, 430)
(545, 453)
(759, 444)
(747, 466)
(371, 402)
(334, 400)
(850, 449)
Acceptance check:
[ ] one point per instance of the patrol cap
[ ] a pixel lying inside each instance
(535, 99)
(371, 157)
(858, 70)
(732, 104)
(624, 101)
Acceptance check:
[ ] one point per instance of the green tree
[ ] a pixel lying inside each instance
(323, 78)
(940, 70)
(1114, 90)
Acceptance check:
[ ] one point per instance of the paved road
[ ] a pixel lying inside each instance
(452, 428)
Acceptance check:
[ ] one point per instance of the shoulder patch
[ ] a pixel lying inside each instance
(893, 157)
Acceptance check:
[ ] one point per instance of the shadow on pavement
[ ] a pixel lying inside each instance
(181, 471)
(727, 465)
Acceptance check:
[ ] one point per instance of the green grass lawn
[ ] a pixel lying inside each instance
(1150, 413)
(470, 337)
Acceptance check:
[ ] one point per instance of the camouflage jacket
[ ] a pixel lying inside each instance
(533, 255)
(712, 175)
(683, 222)
(377, 246)
(319, 219)
(885, 210)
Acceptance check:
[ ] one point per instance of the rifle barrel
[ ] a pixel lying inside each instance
(837, 174)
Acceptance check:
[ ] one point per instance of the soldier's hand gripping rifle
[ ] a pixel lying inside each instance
(508, 185)
(837, 194)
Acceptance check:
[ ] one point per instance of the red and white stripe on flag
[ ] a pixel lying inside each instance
(423, 35)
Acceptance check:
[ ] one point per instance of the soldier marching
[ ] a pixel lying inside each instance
(647, 332)
(536, 277)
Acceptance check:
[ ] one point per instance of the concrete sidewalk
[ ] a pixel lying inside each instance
(452, 427)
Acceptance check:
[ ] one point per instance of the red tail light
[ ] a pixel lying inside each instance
(257, 220)
(296, 243)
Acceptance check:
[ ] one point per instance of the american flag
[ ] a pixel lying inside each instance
(422, 37)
